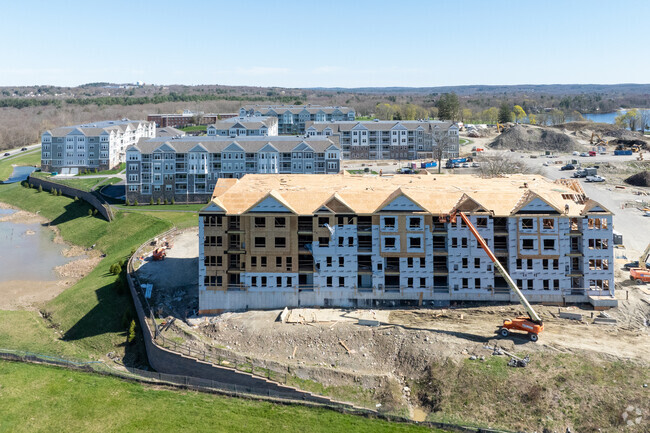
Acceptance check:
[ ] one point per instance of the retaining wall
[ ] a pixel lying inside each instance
(92, 198)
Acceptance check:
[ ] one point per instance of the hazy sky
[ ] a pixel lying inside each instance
(328, 43)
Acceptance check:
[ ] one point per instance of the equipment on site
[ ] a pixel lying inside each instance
(159, 253)
(532, 324)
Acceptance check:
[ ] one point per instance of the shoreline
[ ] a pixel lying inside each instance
(27, 294)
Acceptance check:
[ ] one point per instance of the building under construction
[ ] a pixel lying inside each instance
(270, 241)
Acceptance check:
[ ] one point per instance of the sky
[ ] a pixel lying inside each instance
(327, 43)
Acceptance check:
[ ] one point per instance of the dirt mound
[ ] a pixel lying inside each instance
(629, 143)
(639, 179)
(526, 137)
(598, 128)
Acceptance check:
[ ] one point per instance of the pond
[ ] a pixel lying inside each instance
(28, 251)
(20, 173)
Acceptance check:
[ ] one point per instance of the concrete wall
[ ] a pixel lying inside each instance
(94, 199)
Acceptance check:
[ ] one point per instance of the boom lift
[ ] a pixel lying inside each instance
(533, 323)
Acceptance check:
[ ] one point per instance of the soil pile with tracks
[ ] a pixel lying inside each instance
(639, 179)
(526, 137)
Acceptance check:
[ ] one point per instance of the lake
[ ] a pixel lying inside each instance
(606, 117)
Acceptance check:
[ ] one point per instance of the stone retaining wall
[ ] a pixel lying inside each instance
(92, 198)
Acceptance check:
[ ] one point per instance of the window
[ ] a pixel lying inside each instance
(341, 281)
(280, 222)
(465, 283)
(519, 264)
(477, 263)
(328, 262)
(545, 284)
(454, 242)
(389, 242)
(414, 223)
(289, 261)
(529, 264)
(263, 281)
(526, 223)
(324, 242)
(341, 262)
(260, 222)
(463, 242)
(260, 242)
(341, 239)
(219, 261)
(409, 282)
(350, 241)
(465, 264)
(210, 281)
(423, 283)
(530, 285)
(528, 244)
(477, 283)
(278, 262)
(423, 262)
(389, 222)
(481, 222)
(556, 264)
(545, 264)
(329, 281)
(254, 261)
(254, 281)
(415, 242)
(548, 223)
(549, 244)
(322, 221)
(556, 284)
(210, 260)
(210, 241)
(520, 284)
(409, 262)
(278, 281)
(263, 261)
(280, 242)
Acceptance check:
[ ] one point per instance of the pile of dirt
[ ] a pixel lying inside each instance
(526, 137)
(598, 128)
(629, 142)
(639, 179)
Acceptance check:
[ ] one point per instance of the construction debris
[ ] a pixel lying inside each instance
(604, 321)
(571, 316)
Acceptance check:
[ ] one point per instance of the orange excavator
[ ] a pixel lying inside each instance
(531, 324)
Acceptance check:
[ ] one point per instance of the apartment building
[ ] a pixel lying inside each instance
(344, 240)
(389, 139)
(186, 169)
(187, 118)
(245, 126)
(98, 145)
(292, 118)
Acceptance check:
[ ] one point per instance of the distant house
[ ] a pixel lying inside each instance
(292, 118)
(244, 126)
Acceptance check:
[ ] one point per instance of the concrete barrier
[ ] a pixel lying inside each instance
(92, 198)
(572, 316)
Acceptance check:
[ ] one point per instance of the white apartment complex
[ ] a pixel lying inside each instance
(91, 146)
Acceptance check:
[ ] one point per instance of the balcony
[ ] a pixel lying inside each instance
(305, 224)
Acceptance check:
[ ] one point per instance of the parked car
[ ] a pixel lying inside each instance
(545, 164)
(23, 149)
(584, 154)
(476, 164)
(595, 178)
(7, 153)
(568, 167)
(465, 165)
(576, 153)
(457, 165)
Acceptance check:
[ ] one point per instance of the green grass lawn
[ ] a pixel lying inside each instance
(40, 398)
(28, 158)
(362, 172)
(196, 128)
(364, 118)
(82, 183)
(116, 170)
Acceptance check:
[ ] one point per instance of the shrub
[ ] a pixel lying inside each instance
(173, 201)
(151, 201)
(131, 336)
(127, 317)
(135, 203)
(40, 188)
(59, 192)
(94, 211)
(90, 212)
(115, 269)
(76, 198)
(31, 186)
(158, 201)
(126, 202)
(166, 202)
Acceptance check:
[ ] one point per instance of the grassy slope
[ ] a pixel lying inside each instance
(39, 398)
(116, 170)
(28, 158)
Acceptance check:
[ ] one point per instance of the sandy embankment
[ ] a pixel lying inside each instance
(28, 294)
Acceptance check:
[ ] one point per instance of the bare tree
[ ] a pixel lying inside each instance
(441, 148)
(498, 165)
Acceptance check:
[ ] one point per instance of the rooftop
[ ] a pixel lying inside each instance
(95, 128)
(441, 194)
(378, 125)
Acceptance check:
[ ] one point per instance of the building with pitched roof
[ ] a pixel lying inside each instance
(91, 146)
(292, 118)
(187, 118)
(270, 241)
(186, 169)
(245, 126)
(391, 139)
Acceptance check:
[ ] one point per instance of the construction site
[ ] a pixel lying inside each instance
(589, 367)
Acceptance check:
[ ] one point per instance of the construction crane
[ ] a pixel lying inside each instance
(644, 257)
(533, 323)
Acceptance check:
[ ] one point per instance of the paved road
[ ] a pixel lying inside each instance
(17, 152)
